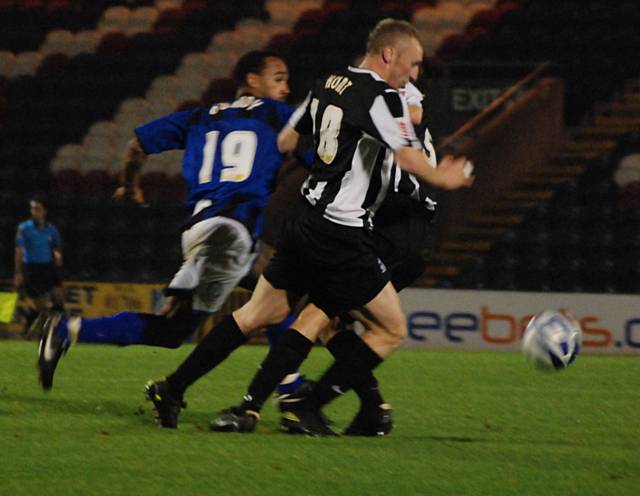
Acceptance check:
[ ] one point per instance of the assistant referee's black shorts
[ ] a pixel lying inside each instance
(40, 279)
(336, 265)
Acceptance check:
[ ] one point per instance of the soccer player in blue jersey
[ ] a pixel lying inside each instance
(230, 163)
(38, 259)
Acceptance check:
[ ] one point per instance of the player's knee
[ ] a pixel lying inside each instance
(397, 333)
(251, 317)
(256, 321)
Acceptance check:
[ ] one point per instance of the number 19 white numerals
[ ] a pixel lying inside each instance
(238, 150)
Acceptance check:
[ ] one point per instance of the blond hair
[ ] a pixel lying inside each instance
(387, 32)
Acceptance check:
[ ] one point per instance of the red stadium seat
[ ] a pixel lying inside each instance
(98, 181)
(396, 8)
(112, 43)
(52, 65)
(219, 90)
(32, 5)
(309, 21)
(188, 105)
(421, 4)
(159, 187)
(169, 21)
(58, 5)
(451, 47)
(282, 43)
(67, 181)
(485, 18)
(335, 5)
(191, 6)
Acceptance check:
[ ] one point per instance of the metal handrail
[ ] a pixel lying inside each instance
(465, 133)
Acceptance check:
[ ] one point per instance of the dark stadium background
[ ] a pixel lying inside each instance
(543, 96)
(555, 214)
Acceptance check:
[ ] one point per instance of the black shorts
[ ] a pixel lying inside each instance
(39, 279)
(336, 265)
(402, 236)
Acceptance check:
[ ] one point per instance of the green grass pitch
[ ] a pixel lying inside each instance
(465, 424)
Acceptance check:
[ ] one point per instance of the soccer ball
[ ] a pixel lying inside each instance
(552, 340)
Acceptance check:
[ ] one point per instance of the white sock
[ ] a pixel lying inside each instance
(73, 326)
(290, 378)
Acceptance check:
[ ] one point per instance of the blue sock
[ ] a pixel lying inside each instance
(61, 330)
(290, 383)
(123, 328)
(275, 331)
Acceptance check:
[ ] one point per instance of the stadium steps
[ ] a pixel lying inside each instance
(617, 121)
(536, 187)
(605, 133)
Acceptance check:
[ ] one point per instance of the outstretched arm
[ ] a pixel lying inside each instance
(130, 176)
(288, 139)
(452, 172)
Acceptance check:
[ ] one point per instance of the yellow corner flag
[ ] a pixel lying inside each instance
(7, 306)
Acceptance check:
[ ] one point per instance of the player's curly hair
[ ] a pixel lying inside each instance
(387, 31)
(251, 63)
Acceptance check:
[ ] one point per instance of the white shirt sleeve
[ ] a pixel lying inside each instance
(396, 132)
(412, 95)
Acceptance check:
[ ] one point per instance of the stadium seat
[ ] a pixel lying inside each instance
(98, 182)
(115, 18)
(52, 65)
(85, 42)
(26, 64)
(219, 90)
(142, 20)
(452, 47)
(66, 181)
(7, 63)
(168, 21)
(282, 43)
(112, 43)
(190, 7)
(58, 41)
(485, 18)
(308, 21)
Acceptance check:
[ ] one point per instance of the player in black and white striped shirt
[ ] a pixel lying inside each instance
(401, 236)
(326, 250)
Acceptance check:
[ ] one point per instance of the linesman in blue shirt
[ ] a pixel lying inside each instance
(38, 260)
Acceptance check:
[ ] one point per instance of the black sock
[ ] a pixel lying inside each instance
(283, 358)
(166, 332)
(58, 307)
(211, 351)
(352, 369)
(30, 316)
(347, 344)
